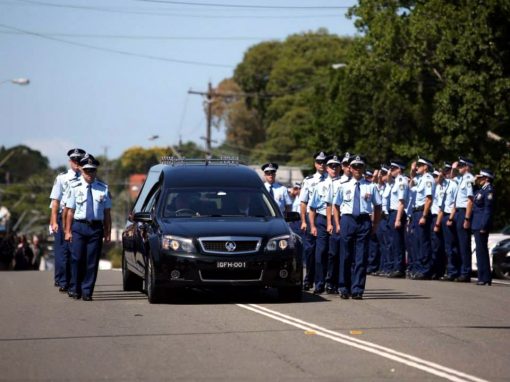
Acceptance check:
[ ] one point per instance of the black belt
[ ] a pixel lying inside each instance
(360, 216)
(89, 222)
(460, 209)
(418, 208)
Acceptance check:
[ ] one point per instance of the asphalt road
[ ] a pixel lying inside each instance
(403, 330)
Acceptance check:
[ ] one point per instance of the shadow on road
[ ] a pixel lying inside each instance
(391, 294)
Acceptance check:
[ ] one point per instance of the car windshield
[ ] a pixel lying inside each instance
(217, 202)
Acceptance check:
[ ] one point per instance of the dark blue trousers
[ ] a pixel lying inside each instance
(423, 244)
(410, 239)
(321, 252)
(482, 256)
(62, 249)
(309, 252)
(374, 254)
(384, 242)
(464, 238)
(450, 248)
(397, 240)
(87, 244)
(355, 234)
(438, 253)
(333, 260)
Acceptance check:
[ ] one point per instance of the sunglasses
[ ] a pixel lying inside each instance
(89, 170)
(333, 165)
(320, 162)
(357, 166)
(269, 172)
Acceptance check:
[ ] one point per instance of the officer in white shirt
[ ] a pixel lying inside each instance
(307, 188)
(62, 268)
(88, 223)
(275, 189)
(461, 216)
(356, 200)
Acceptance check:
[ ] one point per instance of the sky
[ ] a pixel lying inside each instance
(106, 75)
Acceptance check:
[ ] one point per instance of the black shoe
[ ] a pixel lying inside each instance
(344, 296)
(62, 289)
(331, 290)
(397, 275)
(87, 298)
(463, 279)
(484, 283)
(56, 284)
(420, 276)
(307, 286)
(447, 278)
(74, 295)
(318, 291)
(357, 296)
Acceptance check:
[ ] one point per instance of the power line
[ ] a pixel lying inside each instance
(167, 14)
(146, 37)
(252, 6)
(122, 52)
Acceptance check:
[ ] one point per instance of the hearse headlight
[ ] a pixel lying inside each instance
(280, 243)
(176, 243)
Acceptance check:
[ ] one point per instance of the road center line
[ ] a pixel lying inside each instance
(406, 359)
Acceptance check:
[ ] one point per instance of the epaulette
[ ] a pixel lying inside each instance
(74, 180)
(62, 173)
(75, 184)
(309, 177)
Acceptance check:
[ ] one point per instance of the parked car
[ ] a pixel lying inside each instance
(501, 259)
(206, 224)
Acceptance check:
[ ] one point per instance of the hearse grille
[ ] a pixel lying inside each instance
(230, 245)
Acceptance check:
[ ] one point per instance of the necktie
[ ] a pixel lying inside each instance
(271, 190)
(356, 201)
(90, 204)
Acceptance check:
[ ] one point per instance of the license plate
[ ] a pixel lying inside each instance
(231, 264)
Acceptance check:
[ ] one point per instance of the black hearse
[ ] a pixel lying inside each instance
(206, 223)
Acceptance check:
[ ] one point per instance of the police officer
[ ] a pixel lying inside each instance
(422, 218)
(399, 195)
(384, 183)
(353, 204)
(307, 188)
(449, 191)
(88, 222)
(275, 189)
(294, 196)
(62, 268)
(321, 226)
(482, 223)
(461, 216)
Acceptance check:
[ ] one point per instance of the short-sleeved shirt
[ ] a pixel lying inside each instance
(78, 199)
(438, 197)
(321, 195)
(450, 191)
(399, 191)
(61, 185)
(425, 187)
(280, 195)
(308, 186)
(368, 193)
(465, 190)
(385, 197)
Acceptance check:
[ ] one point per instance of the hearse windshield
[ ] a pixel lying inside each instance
(219, 202)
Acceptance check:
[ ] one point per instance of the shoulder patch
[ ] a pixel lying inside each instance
(489, 196)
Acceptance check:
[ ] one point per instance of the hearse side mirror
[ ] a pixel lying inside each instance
(292, 216)
(142, 217)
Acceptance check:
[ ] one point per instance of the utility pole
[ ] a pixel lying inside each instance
(209, 100)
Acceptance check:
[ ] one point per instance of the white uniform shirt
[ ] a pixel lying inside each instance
(308, 186)
(78, 199)
(280, 195)
(368, 193)
(61, 185)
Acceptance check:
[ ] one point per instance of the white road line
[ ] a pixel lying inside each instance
(406, 359)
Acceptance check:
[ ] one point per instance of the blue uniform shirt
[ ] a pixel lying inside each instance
(61, 185)
(320, 196)
(450, 190)
(438, 198)
(308, 186)
(399, 191)
(385, 197)
(465, 190)
(296, 205)
(369, 196)
(425, 186)
(410, 202)
(280, 195)
(78, 199)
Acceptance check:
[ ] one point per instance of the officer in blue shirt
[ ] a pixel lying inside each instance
(356, 200)
(321, 226)
(62, 267)
(461, 216)
(275, 189)
(483, 209)
(422, 218)
(384, 184)
(307, 188)
(448, 189)
(436, 234)
(88, 222)
(294, 196)
(398, 198)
